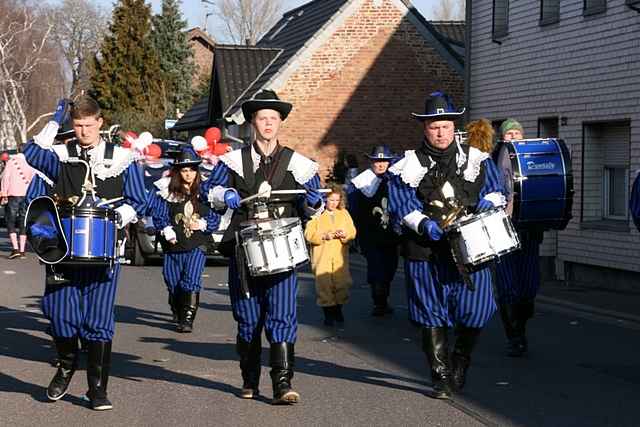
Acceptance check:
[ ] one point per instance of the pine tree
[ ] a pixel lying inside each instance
(126, 81)
(176, 57)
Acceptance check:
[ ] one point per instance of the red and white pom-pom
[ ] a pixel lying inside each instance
(199, 144)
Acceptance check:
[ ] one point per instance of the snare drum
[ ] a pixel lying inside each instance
(538, 176)
(273, 246)
(477, 239)
(91, 233)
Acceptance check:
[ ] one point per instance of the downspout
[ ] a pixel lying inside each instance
(467, 61)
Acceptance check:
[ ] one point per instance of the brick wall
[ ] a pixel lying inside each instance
(202, 57)
(359, 88)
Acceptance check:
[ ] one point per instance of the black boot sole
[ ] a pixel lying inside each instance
(55, 399)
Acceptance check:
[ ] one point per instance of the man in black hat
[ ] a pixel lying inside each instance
(423, 183)
(81, 304)
(368, 204)
(269, 301)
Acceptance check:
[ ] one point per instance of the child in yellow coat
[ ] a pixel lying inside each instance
(329, 235)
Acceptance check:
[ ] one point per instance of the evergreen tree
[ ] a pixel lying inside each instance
(176, 57)
(125, 79)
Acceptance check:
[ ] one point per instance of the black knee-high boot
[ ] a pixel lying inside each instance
(524, 310)
(512, 329)
(189, 308)
(435, 345)
(98, 366)
(461, 358)
(67, 349)
(282, 363)
(249, 353)
(173, 305)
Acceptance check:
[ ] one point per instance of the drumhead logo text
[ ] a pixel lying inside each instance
(540, 166)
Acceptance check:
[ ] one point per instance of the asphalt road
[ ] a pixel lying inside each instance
(583, 368)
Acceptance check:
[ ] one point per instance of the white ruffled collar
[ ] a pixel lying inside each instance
(163, 190)
(367, 182)
(302, 168)
(102, 168)
(412, 172)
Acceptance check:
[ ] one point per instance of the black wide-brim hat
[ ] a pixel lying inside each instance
(265, 100)
(381, 152)
(439, 106)
(186, 157)
(44, 230)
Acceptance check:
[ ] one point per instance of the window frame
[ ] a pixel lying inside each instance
(606, 196)
(548, 118)
(548, 20)
(496, 36)
(588, 10)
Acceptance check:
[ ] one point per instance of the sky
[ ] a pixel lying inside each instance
(195, 10)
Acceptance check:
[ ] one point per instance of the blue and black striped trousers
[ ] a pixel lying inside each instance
(382, 263)
(518, 273)
(85, 306)
(438, 296)
(183, 270)
(271, 305)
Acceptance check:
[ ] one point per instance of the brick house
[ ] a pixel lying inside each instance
(353, 69)
(202, 46)
(570, 69)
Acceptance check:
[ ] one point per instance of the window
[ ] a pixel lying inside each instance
(615, 192)
(549, 11)
(548, 127)
(605, 171)
(633, 4)
(500, 19)
(591, 7)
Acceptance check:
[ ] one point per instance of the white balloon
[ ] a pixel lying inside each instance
(199, 143)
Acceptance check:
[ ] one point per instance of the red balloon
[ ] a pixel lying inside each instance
(213, 135)
(220, 149)
(4, 156)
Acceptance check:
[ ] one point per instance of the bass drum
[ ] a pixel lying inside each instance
(539, 181)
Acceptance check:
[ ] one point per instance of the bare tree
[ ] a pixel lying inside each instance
(449, 10)
(245, 21)
(27, 69)
(77, 28)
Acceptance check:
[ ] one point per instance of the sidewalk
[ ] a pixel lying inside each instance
(598, 300)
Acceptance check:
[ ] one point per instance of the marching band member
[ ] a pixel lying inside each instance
(438, 296)
(270, 302)
(368, 203)
(186, 226)
(82, 304)
(518, 273)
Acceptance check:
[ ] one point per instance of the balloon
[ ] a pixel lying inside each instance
(4, 156)
(220, 149)
(145, 139)
(152, 151)
(199, 144)
(213, 135)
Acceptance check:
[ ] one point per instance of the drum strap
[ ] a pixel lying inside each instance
(247, 167)
(277, 172)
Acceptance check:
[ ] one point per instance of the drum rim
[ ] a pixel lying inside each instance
(66, 212)
(472, 218)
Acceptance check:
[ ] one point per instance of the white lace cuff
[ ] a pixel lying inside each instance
(203, 224)
(496, 198)
(168, 233)
(216, 196)
(46, 137)
(312, 212)
(413, 220)
(127, 215)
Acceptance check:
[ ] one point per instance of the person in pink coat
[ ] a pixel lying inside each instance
(16, 177)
